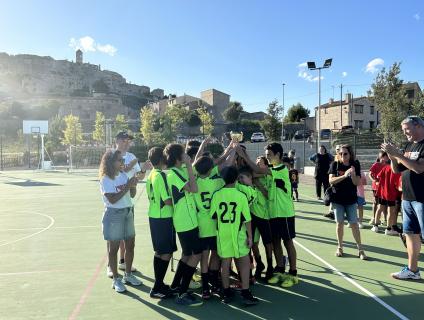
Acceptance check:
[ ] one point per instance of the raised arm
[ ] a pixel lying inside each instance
(191, 185)
(242, 153)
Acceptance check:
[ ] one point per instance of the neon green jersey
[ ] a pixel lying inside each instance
(231, 210)
(206, 188)
(158, 193)
(249, 191)
(260, 206)
(185, 212)
(280, 197)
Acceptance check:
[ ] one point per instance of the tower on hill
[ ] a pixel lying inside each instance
(78, 56)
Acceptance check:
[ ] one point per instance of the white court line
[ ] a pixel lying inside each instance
(354, 283)
(33, 234)
(63, 227)
(28, 272)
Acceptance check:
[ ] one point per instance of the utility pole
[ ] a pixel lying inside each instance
(282, 121)
(341, 106)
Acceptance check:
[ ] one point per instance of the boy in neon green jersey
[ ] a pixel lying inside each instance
(182, 187)
(234, 235)
(281, 211)
(160, 220)
(208, 183)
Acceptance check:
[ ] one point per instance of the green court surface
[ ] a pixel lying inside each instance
(54, 263)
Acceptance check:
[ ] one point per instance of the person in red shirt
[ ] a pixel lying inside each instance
(382, 160)
(388, 194)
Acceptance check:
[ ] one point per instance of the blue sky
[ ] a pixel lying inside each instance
(244, 48)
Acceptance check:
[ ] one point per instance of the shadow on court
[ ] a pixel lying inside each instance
(32, 183)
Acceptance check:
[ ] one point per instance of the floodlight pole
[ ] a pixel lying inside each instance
(282, 120)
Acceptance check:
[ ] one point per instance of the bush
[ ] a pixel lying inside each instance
(215, 148)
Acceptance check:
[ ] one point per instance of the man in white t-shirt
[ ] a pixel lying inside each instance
(131, 168)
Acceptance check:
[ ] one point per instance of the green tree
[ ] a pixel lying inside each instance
(147, 127)
(417, 107)
(249, 126)
(233, 112)
(72, 134)
(55, 136)
(207, 121)
(172, 121)
(99, 127)
(121, 124)
(295, 113)
(272, 123)
(193, 119)
(389, 96)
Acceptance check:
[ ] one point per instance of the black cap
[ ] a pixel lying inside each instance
(123, 135)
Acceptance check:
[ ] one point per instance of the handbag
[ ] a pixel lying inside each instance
(330, 193)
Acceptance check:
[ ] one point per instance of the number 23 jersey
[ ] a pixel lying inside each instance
(231, 210)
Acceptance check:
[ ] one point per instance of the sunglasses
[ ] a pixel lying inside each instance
(343, 153)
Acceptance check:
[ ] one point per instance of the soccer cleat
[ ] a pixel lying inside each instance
(118, 285)
(391, 232)
(161, 293)
(375, 228)
(122, 266)
(268, 274)
(406, 274)
(330, 215)
(131, 279)
(194, 285)
(227, 295)
(289, 281)
(276, 278)
(248, 299)
(109, 272)
(196, 277)
(188, 299)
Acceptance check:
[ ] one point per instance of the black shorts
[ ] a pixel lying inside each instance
(163, 235)
(387, 203)
(190, 242)
(263, 227)
(283, 228)
(376, 199)
(208, 243)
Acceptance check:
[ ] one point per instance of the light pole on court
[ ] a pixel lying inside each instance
(312, 66)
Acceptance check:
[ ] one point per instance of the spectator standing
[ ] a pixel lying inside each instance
(322, 161)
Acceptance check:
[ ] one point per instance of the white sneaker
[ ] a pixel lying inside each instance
(360, 225)
(405, 274)
(131, 279)
(391, 232)
(118, 285)
(121, 266)
(109, 272)
(374, 228)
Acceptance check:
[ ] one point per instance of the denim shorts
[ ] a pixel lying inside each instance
(340, 210)
(118, 224)
(413, 217)
(361, 201)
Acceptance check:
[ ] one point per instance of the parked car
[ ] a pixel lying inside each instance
(325, 134)
(257, 137)
(346, 129)
(301, 134)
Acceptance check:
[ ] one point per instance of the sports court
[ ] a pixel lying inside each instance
(54, 262)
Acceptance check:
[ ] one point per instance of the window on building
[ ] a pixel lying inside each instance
(372, 126)
(371, 109)
(410, 93)
(359, 124)
(359, 108)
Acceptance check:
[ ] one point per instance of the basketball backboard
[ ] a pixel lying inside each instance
(35, 127)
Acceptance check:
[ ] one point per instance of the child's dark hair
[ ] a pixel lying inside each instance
(264, 159)
(155, 156)
(192, 148)
(245, 171)
(172, 153)
(203, 165)
(229, 174)
(275, 147)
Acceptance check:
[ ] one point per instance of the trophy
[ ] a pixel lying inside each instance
(236, 137)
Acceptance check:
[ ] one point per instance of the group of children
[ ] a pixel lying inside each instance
(219, 208)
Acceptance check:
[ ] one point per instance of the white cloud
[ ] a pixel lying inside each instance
(304, 74)
(109, 49)
(344, 74)
(373, 65)
(417, 16)
(88, 44)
